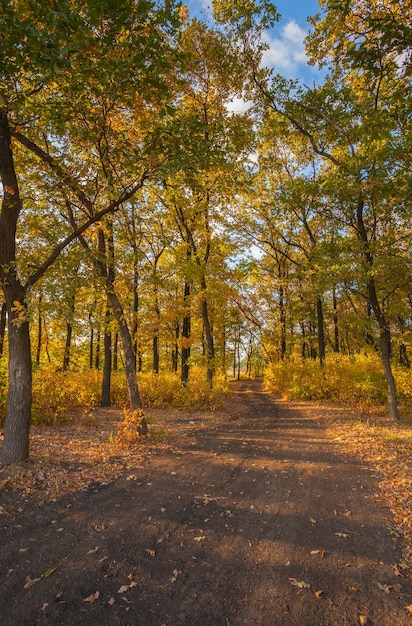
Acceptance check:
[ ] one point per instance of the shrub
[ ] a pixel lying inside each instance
(354, 379)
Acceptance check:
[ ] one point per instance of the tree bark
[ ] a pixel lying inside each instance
(69, 334)
(129, 354)
(321, 331)
(3, 322)
(105, 399)
(186, 330)
(15, 446)
(39, 331)
(384, 330)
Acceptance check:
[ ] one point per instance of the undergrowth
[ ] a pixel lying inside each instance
(357, 380)
(56, 393)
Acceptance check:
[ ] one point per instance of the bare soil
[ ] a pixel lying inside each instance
(252, 517)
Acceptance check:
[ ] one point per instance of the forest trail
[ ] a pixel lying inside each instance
(259, 520)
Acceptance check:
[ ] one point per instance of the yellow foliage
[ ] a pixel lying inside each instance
(356, 379)
(128, 431)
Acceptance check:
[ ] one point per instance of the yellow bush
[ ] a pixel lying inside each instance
(353, 379)
(128, 431)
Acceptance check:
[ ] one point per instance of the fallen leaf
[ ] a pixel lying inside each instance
(123, 589)
(363, 620)
(299, 583)
(385, 588)
(312, 521)
(23, 549)
(133, 584)
(319, 593)
(342, 535)
(44, 606)
(315, 551)
(30, 582)
(111, 601)
(48, 572)
(93, 550)
(150, 552)
(409, 608)
(201, 538)
(93, 597)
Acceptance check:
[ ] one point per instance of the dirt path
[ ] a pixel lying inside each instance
(259, 521)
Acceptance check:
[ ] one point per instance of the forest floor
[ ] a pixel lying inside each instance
(255, 514)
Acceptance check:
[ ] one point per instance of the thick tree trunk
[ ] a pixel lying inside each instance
(17, 423)
(15, 446)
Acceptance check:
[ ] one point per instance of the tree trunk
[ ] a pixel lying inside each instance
(129, 355)
(321, 331)
(69, 334)
(97, 350)
(390, 381)
(155, 341)
(282, 312)
(39, 331)
(15, 446)
(17, 423)
(335, 322)
(210, 347)
(115, 351)
(385, 335)
(3, 321)
(186, 330)
(105, 399)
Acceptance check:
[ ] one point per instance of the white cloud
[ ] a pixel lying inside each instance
(287, 52)
(238, 105)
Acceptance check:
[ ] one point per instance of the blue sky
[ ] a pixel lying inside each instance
(286, 49)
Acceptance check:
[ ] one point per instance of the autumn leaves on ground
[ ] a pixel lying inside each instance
(259, 512)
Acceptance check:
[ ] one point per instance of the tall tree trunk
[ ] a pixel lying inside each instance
(115, 351)
(39, 330)
(186, 330)
(175, 350)
(335, 322)
(19, 398)
(15, 446)
(91, 341)
(105, 399)
(3, 322)
(384, 330)
(155, 341)
(69, 334)
(97, 350)
(129, 355)
(321, 331)
(210, 347)
(282, 314)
